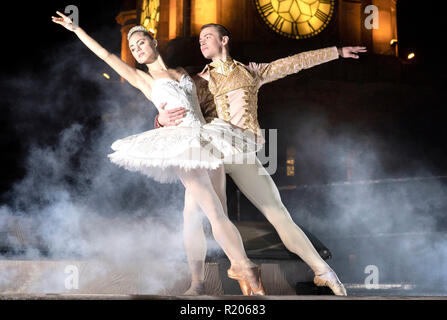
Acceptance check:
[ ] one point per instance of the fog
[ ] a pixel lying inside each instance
(390, 212)
(72, 204)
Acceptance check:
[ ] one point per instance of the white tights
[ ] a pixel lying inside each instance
(263, 193)
(201, 192)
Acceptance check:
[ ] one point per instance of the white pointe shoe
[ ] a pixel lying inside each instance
(331, 280)
(197, 288)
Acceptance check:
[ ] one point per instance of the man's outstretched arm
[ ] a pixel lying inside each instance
(280, 68)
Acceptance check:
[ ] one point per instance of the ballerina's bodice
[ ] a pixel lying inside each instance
(179, 94)
(190, 145)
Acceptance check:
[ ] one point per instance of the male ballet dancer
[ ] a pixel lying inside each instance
(228, 89)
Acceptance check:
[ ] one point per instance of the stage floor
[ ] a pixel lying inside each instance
(23, 296)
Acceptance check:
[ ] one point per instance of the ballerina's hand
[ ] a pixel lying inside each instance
(64, 21)
(350, 52)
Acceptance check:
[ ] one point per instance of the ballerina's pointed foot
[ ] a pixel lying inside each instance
(197, 288)
(331, 280)
(243, 278)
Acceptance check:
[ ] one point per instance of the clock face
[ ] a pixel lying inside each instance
(296, 18)
(150, 15)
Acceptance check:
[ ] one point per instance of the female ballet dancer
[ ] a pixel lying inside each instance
(192, 152)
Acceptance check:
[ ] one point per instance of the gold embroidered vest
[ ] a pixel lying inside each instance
(235, 94)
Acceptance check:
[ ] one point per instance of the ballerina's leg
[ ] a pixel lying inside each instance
(194, 237)
(193, 231)
(198, 184)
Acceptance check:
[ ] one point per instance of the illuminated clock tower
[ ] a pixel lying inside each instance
(351, 22)
(296, 19)
(265, 30)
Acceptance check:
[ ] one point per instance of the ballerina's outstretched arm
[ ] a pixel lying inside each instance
(123, 69)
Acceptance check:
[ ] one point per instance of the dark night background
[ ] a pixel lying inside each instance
(33, 44)
(30, 40)
(50, 81)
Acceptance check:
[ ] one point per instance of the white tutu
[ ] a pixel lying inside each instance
(159, 153)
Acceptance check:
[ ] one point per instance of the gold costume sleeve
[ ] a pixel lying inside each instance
(268, 72)
(206, 99)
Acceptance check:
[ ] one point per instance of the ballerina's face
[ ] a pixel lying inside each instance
(211, 43)
(143, 48)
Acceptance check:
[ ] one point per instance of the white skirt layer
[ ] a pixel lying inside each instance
(160, 153)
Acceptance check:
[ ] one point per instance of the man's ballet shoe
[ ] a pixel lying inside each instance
(331, 280)
(196, 289)
(242, 277)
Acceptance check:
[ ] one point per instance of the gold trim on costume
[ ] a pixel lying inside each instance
(230, 75)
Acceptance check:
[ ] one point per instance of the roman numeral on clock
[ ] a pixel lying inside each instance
(321, 15)
(295, 28)
(310, 26)
(278, 23)
(267, 9)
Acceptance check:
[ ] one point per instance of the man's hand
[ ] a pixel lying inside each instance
(350, 52)
(168, 118)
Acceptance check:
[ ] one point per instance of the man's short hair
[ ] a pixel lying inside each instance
(220, 29)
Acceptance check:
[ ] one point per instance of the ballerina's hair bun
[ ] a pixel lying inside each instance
(139, 29)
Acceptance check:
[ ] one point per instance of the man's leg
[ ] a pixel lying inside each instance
(199, 185)
(263, 193)
(194, 237)
(193, 232)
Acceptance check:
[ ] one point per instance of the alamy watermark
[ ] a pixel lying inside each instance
(72, 280)
(372, 20)
(72, 12)
(372, 280)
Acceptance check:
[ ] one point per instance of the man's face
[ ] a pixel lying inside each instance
(210, 42)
